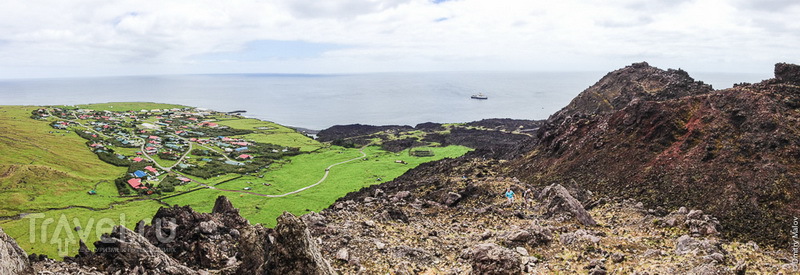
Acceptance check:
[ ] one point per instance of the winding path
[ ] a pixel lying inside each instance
(324, 177)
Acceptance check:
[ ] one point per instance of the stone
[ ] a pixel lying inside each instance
(294, 251)
(694, 214)
(717, 258)
(489, 258)
(208, 227)
(617, 257)
(686, 244)
(597, 267)
(521, 250)
(126, 251)
(342, 254)
(13, 260)
(402, 195)
(787, 72)
(450, 198)
(557, 200)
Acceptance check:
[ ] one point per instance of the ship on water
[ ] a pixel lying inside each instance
(479, 96)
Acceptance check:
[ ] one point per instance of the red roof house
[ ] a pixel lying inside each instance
(151, 169)
(137, 159)
(136, 183)
(244, 156)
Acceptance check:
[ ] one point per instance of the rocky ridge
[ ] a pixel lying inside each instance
(670, 141)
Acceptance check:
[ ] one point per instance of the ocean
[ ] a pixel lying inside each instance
(321, 101)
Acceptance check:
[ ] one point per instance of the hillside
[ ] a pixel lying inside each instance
(670, 142)
(44, 168)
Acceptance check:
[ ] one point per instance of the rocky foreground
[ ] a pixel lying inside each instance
(425, 223)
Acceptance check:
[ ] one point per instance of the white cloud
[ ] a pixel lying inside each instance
(97, 37)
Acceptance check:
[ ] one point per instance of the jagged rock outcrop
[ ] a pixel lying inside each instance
(295, 252)
(639, 81)
(200, 240)
(182, 241)
(128, 252)
(665, 140)
(557, 200)
(789, 73)
(13, 260)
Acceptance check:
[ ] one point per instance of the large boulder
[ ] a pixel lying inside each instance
(127, 252)
(13, 260)
(557, 200)
(294, 251)
(786, 72)
(489, 258)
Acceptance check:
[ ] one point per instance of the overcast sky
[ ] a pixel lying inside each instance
(65, 38)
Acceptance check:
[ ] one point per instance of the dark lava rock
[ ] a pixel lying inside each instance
(507, 124)
(354, 130)
(294, 251)
(789, 73)
(663, 139)
(429, 126)
(489, 258)
(637, 81)
(127, 252)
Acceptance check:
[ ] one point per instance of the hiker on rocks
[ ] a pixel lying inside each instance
(510, 195)
(528, 197)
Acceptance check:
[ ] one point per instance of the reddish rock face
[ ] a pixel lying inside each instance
(670, 141)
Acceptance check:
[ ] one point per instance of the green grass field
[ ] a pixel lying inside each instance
(307, 169)
(48, 232)
(39, 169)
(269, 132)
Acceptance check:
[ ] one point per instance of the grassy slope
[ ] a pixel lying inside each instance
(43, 170)
(93, 224)
(276, 134)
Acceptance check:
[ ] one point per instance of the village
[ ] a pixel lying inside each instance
(165, 148)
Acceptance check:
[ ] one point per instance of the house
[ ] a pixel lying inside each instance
(208, 124)
(136, 183)
(139, 174)
(137, 159)
(151, 170)
(184, 179)
(242, 149)
(233, 163)
(244, 156)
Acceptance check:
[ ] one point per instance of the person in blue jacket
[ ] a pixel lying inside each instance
(510, 195)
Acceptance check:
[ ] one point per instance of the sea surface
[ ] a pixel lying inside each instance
(321, 101)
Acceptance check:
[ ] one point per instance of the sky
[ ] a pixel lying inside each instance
(81, 38)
